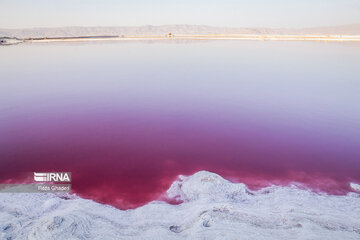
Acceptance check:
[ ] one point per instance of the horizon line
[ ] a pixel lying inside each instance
(180, 24)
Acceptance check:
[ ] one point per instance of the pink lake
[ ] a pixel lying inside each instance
(127, 118)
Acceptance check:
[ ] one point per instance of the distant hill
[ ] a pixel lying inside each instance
(353, 29)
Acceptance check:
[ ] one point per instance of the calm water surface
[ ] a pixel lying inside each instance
(127, 118)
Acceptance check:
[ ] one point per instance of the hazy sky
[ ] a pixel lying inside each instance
(233, 13)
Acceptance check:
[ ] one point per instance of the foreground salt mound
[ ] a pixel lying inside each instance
(213, 208)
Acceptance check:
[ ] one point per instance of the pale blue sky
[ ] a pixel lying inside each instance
(232, 13)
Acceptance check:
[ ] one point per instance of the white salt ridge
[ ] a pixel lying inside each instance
(213, 208)
(355, 187)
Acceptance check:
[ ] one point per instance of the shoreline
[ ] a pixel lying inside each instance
(208, 206)
(322, 38)
(326, 38)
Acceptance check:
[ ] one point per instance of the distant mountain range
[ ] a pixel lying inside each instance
(181, 29)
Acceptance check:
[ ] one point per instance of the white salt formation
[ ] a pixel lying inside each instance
(213, 208)
(355, 187)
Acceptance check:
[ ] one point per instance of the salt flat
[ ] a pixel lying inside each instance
(212, 208)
